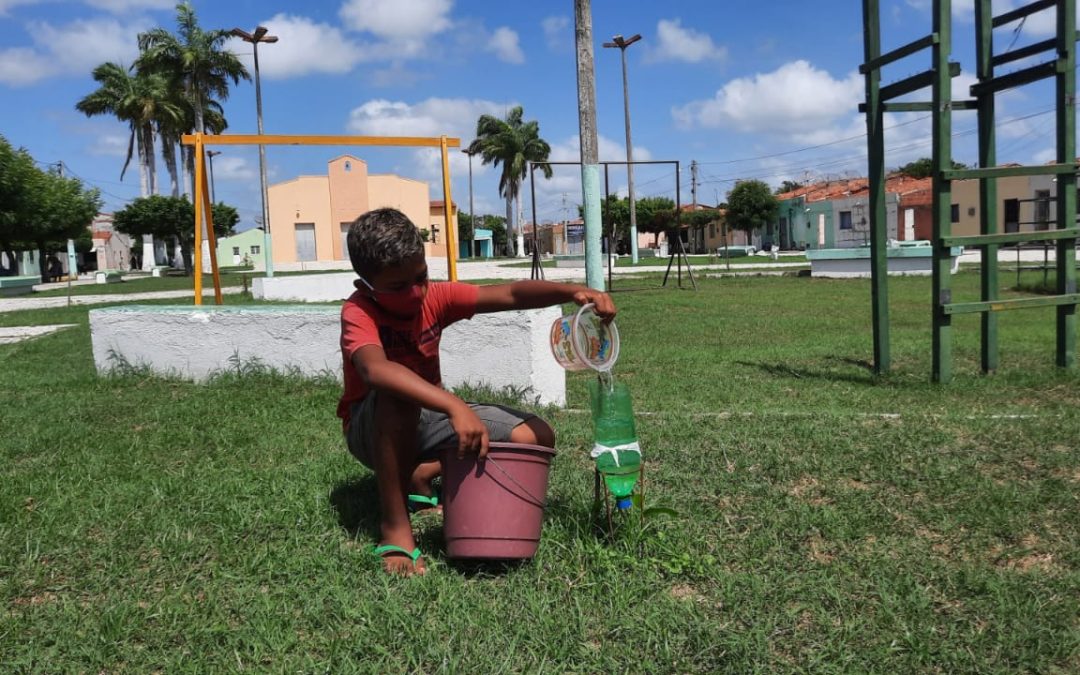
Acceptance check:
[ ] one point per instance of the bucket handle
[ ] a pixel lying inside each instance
(542, 503)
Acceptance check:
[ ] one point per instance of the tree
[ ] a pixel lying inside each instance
(140, 99)
(497, 225)
(513, 143)
(751, 205)
(197, 57)
(174, 217)
(789, 186)
(924, 168)
(58, 209)
(16, 169)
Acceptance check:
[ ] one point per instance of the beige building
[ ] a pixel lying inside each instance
(310, 215)
(1018, 206)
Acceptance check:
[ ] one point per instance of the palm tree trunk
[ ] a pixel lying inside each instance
(200, 127)
(187, 165)
(519, 231)
(168, 153)
(151, 160)
(146, 158)
(509, 227)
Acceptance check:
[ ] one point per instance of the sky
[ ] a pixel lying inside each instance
(744, 89)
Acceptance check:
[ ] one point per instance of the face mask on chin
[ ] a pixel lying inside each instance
(404, 304)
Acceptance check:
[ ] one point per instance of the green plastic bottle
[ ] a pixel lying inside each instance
(615, 444)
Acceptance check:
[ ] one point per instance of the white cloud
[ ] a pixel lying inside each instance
(233, 168)
(22, 66)
(125, 6)
(504, 43)
(1044, 156)
(675, 43)
(430, 117)
(795, 98)
(304, 47)
(397, 20)
(73, 48)
(110, 145)
(557, 33)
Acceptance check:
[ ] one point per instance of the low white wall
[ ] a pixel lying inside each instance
(506, 349)
(305, 288)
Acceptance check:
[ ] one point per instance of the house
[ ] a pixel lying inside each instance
(112, 249)
(310, 215)
(835, 214)
(243, 248)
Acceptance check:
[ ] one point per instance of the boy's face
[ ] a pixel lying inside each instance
(400, 289)
(412, 272)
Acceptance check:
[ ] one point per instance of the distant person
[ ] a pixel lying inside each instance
(394, 411)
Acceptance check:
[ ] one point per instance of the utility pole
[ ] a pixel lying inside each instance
(472, 213)
(254, 39)
(693, 193)
(590, 163)
(622, 44)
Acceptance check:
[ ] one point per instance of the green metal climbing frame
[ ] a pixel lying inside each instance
(1060, 65)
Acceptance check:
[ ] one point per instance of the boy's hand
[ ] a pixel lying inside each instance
(604, 305)
(471, 431)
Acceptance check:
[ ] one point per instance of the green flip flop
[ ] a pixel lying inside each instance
(422, 502)
(381, 551)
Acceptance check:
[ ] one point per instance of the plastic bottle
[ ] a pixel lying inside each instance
(615, 444)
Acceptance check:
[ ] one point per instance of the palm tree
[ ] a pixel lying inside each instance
(197, 57)
(513, 143)
(139, 99)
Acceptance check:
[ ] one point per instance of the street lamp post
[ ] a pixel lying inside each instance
(255, 38)
(210, 154)
(622, 44)
(472, 214)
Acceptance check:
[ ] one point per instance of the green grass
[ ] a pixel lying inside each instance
(695, 260)
(141, 285)
(829, 520)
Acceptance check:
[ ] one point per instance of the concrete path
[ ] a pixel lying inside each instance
(20, 304)
(12, 334)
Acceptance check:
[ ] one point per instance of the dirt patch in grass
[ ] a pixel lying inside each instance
(808, 489)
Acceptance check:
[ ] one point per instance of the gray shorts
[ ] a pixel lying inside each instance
(434, 431)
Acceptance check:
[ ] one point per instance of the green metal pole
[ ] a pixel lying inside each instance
(942, 204)
(984, 48)
(875, 138)
(1066, 184)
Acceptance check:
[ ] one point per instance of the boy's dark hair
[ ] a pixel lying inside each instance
(382, 238)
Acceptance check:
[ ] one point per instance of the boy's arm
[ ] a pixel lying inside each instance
(381, 374)
(537, 294)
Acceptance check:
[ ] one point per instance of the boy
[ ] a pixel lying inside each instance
(395, 413)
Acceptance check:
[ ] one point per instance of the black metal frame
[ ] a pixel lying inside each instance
(678, 252)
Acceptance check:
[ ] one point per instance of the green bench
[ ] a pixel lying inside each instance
(17, 285)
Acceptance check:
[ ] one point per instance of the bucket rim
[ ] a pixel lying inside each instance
(506, 445)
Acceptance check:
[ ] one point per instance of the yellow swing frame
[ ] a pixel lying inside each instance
(202, 191)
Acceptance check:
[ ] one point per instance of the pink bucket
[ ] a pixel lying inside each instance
(493, 509)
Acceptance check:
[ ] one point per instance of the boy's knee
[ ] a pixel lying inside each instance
(534, 432)
(395, 413)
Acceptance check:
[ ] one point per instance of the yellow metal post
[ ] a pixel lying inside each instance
(200, 177)
(449, 229)
(211, 239)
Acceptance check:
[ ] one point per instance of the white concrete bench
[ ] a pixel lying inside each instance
(108, 277)
(498, 350)
(17, 285)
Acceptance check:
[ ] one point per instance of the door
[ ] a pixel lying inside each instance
(1012, 215)
(345, 240)
(305, 242)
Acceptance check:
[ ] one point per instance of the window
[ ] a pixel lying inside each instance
(845, 220)
(1042, 209)
(954, 213)
(348, 167)
(236, 250)
(255, 250)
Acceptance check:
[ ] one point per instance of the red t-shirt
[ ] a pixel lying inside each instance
(414, 343)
